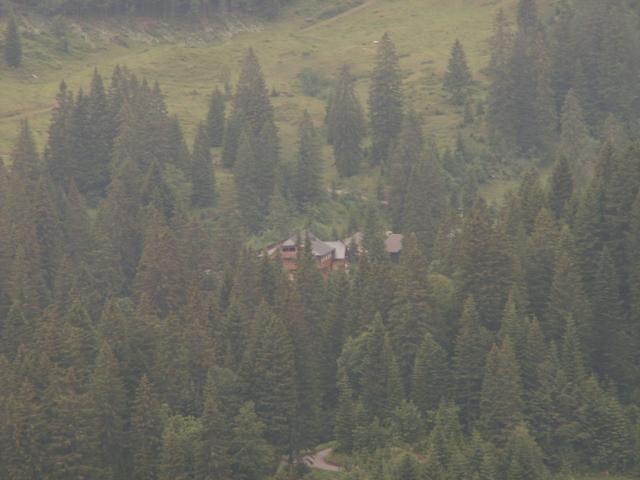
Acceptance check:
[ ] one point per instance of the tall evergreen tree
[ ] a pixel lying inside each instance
(216, 119)
(345, 125)
(12, 43)
(146, 431)
(385, 101)
(108, 401)
(406, 155)
(269, 375)
(470, 350)
(202, 175)
(246, 181)
(213, 461)
(252, 456)
(307, 181)
(430, 378)
(501, 405)
(252, 107)
(457, 79)
(560, 186)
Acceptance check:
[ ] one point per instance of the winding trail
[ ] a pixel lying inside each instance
(319, 460)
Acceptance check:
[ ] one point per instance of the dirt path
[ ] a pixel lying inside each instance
(351, 11)
(319, 460)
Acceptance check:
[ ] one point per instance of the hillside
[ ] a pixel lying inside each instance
(189, 64)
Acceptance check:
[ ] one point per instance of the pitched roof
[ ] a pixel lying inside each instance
(393, 243)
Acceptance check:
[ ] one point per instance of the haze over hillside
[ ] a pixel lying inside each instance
(317, 239)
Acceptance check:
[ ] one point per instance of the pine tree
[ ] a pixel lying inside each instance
(213, 461)
(269, 372)
(430, 378)
(108, 403)
(345, 417)
(179, 446)
(545, 112)
(523, 458)
(246, 181)
(12, 43)
(385, 101)
(411, 314)
(425, 203)
(568, 298)
(56, 152)
(470, 350)
(202, 176)
(345, 125)
(501, 405)
(160, 276)
(252, 456)
(574, 136)
(527, 16)
(457, 79)
(252, 108)
(539, 261)
(146, 431)
(560, 186)
(485, 266)
(611, 355)
(99, 157)
(216, 119)
(307, 181)
(406, 155)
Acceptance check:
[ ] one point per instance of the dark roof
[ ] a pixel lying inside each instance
(318, 247)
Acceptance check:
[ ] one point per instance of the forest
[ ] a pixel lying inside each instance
(145, 333)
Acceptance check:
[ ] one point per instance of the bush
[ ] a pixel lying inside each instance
(312, 83)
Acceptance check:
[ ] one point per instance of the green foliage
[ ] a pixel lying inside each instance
(202, 176)
(12, 43)
(216, 119)
(385, 101)
(345, 125)
(458, 79)
(307, 177)
(252, 456)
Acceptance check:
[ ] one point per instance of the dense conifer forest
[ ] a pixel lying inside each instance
(144, 335)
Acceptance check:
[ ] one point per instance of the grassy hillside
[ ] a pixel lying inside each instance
(189, 61)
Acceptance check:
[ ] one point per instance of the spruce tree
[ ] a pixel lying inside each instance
(484, 265)
(252, 456)
(246, 182)
(425, 202)
(345, 417)
(406, 155)
(470, 350)
(216, 119)
(269, 374)
(611, 354)
(346, 125)
(457, 79)
(430, 377)
(12, 43)
(411, 314)
(560, 186)
(252, 107)
(501, 406)
(213, 461)
(146, 431)
(108, 403)
(202, 176)
(385, 101)
(574, 136)
(307, 177)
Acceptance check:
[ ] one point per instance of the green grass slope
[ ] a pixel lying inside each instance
(189, 61)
